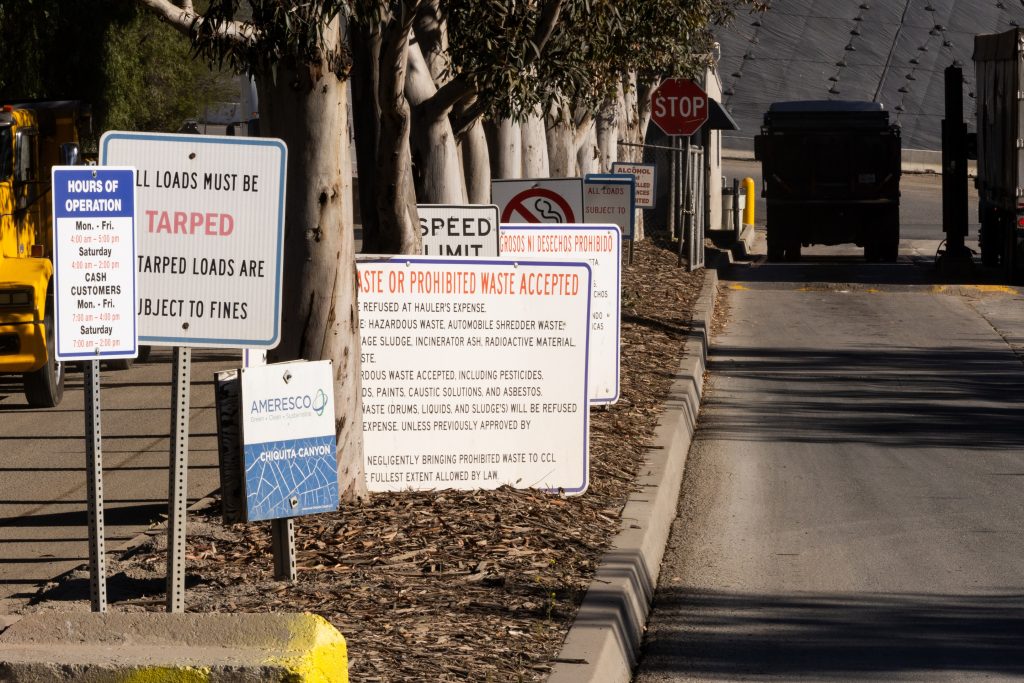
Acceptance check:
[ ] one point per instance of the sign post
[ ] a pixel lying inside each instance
(679, 107)
(94, 284)
(210, 261)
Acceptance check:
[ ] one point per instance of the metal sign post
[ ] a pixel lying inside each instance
(178, 480)
(94, 489)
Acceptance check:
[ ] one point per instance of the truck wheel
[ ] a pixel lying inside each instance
(776, 252)
(44, 388)
(988, 235)
(889, 249)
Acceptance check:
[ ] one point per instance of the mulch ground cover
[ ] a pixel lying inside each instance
(446, 585)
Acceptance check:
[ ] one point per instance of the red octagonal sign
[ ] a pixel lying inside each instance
(679, 106)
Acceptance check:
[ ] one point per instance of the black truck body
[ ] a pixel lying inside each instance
(831, 175)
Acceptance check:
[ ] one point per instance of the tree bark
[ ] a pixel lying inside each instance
(608, 133)
(476, 164)
(535, 147)
(504, 141)
(587, 154)
(438, 173)
(366, 122)
(396, 198)
(561, 140)
(305, 107)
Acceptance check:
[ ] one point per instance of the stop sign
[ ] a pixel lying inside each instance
(679, 106)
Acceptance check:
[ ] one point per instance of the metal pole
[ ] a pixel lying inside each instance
(178, 480)
(282, 539)
(673, 171)
(94, 492)
(737, 221)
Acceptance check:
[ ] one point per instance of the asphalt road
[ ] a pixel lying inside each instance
(43, 530)
(853, 506)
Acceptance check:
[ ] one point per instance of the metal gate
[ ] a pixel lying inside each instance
(688, 201)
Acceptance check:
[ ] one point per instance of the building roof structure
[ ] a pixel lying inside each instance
(894, 52)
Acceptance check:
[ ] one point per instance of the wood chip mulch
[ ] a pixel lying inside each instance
(450, 585)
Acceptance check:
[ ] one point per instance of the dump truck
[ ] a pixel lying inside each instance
(999, 88)
(34, 136)
(830, 175)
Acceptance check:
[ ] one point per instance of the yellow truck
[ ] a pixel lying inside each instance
(34, 136)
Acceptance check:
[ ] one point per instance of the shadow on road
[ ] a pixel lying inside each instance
(953, 397)
(830, 636)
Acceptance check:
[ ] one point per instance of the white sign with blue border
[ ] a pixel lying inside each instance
(601, 247)
(94, 262)
(474, 373)
(210, 216)
(610, 198)
(289, 446)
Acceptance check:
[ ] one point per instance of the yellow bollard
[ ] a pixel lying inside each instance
(748, 210)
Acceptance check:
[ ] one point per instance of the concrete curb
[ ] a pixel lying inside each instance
(604, 640)
(154, 647)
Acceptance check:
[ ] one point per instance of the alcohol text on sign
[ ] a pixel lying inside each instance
(290, 459)
(94, 262)
(610, 198)
(539, 200)
(459, 230)
(474, 373)
(601, 247)
(210, 214)
(644, 174)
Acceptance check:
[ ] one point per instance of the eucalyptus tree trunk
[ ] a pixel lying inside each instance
(319, 313)
(396, 197)
(562, 147)
(476, 164)
(634, 119)
(504, 141)
(587, 154)
(438, 174)
(534, 146)
(366, 124)
(608, 133)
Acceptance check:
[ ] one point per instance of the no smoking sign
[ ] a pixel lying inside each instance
(548, 200)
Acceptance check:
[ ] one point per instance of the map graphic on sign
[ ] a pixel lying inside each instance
(289, 447)
(546, 200)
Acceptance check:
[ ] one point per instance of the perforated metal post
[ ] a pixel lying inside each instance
(94, 489)
(178, 480)
(282, 539)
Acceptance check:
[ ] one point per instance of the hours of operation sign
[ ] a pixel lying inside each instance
(210, 215)
(93, 254)
(474, 373)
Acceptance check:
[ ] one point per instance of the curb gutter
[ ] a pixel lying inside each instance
(603, 642)
(191, 648)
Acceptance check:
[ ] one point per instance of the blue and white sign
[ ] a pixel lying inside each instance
(210, 215)
(610, 198)
(289, 446)
(94, 262)
(601, 247)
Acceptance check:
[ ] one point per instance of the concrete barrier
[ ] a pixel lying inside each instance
(149, 647)
(603, 642)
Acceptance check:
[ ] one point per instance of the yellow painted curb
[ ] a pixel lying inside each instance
(324, 657)
(160, 674)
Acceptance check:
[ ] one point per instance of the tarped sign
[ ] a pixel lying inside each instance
(610, 198)
(210, 216)
(94, 262)
(289, 447)
(474, 373)
(459, 230)
(644, 174)
(601, 247)
(539, 200)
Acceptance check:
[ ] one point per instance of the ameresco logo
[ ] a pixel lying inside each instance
(281, 404)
